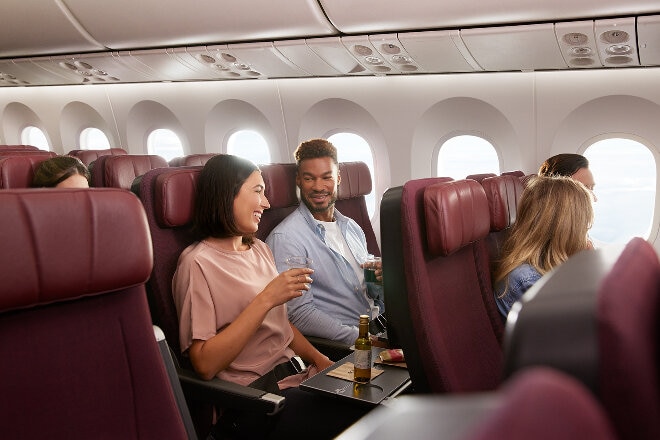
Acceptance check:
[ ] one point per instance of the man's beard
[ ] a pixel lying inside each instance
(314, 209)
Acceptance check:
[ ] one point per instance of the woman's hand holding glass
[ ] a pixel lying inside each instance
(287, 285)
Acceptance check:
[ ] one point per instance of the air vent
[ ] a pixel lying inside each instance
(616, 40)
(578, 44)
(390, 49)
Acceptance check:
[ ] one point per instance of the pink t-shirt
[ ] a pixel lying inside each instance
(212, 287)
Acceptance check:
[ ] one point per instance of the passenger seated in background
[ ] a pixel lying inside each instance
(231, 305)
(335, 243)
(554, 216)
(61, 172)
(571, 165)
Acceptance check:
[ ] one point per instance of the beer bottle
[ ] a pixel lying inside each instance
(362, 355)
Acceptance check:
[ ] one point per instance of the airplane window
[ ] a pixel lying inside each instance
(250, 145)
(625, 175)
(93, 139)
(34, 136)
(165, 143)
(463, 155)
(353, 148)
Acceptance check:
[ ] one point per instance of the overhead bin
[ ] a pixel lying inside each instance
(524, 47)
(130, 24)
(648, 38)
(382, 16)
(40, 27)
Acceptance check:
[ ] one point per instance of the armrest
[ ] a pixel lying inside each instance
(216, 391)
(333, 349)
(229, 394)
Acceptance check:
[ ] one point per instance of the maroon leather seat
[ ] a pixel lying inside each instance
(436, 268)
(355, 185)
(119, 171)
(538, 403)
(89, 156)
(18, 171)
(168, 197)
(596, 317)
(281, 192)
(80, 357)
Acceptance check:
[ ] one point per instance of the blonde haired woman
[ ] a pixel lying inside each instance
(554, 216)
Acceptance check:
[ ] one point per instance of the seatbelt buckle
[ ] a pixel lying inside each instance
(298, 364)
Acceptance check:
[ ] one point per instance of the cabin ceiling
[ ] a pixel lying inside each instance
(56, 42)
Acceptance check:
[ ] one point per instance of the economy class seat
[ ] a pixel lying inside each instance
(596, 317)
(355, 185)
(18, 171)
(480, 177)
(168, 197)
(89, 156)
(119, 171)
(436, 273)
(80, 356)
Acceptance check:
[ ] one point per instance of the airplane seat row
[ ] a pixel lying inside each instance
(281, 192)
(436, 281)
(17, 171)
(119, 171)
(81, 359)
(89, 156)
(596, 318)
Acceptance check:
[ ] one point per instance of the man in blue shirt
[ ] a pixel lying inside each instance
(335, 243)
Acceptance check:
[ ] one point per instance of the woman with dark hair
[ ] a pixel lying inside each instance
(61, 172)
(231, 303)
(572, 165)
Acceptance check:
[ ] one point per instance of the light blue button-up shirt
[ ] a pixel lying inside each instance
(331, 308)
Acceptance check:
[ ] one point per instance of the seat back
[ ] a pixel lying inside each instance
(503, 193)
(119, 171)
(89, 156)
(437, 278)
(281, 192)
(628, 314)
(596, 317)
(168, 196)
(75, 331)
(355, 185)
(18, 171)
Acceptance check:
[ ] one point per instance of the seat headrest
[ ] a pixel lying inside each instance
(193, 160)
(120, 171)
(355, 180)
(65, 243)
(280, 180)
(456, 214)
(18, 171)
(174, 196)
(89, 156)
(503, 193)
(480, 177)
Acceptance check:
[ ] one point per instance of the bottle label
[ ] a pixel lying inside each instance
(363, 359)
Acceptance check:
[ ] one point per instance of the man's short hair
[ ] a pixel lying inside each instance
(315, 148)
